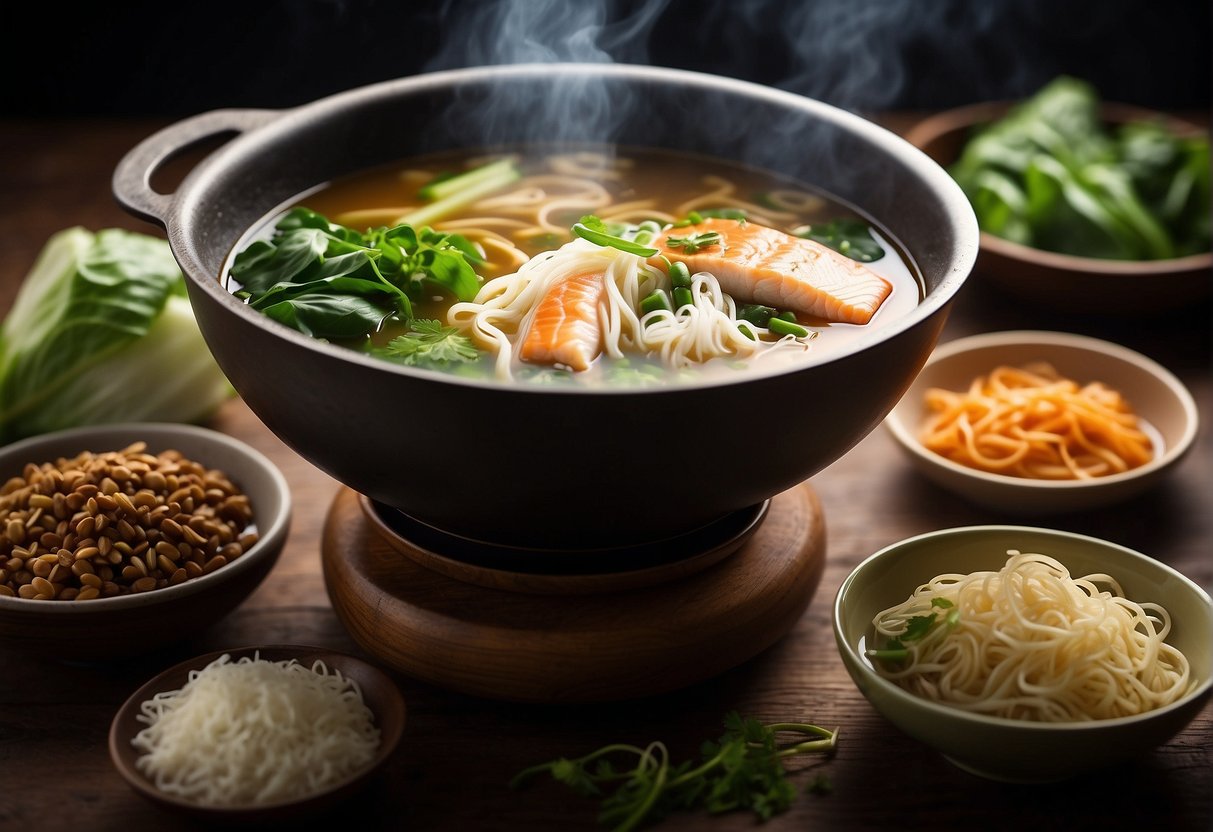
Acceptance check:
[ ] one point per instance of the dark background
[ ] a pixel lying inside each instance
(139, 59)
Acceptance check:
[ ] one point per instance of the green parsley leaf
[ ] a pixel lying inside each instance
(429, 342)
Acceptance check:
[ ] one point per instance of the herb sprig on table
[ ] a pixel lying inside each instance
(741, 770)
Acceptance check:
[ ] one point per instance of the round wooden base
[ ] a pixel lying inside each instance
(498, 643)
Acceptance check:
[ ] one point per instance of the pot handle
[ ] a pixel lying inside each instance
(132, 178)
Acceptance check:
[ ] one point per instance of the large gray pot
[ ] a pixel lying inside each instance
(552, 467)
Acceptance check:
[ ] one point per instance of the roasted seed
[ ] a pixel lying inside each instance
(15, 531)
(86, 526)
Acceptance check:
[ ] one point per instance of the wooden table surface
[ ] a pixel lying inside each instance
(459, 752)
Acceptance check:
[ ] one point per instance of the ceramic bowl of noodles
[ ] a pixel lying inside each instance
(514, 305)
(1040, 423)
(1103, 652)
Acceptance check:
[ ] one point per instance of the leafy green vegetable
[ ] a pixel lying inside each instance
(846, 236)
(596, 231)
(100, 332)
(742, 770)
(429, 342)
(333, 282)
(1049, 175)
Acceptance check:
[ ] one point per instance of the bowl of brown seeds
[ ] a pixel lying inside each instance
(118, 539)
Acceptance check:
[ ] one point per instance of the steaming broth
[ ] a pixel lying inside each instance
(515, 224)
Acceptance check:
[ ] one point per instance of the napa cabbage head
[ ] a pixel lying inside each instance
(101, 331)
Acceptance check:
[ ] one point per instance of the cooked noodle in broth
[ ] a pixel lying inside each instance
(519, 228)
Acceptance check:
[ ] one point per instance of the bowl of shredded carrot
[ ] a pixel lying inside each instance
(1038, 423)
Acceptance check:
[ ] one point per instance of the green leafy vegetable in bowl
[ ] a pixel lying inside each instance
(1050, 175)
(101, 331)
(330, 281)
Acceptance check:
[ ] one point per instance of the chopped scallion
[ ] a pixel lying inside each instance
(460, 191)
(591, 228)
(755, 313)
(680, 275)
(655, 302)
(781, 327)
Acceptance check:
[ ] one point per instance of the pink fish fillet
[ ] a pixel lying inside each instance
(756, 264)
(565, 329)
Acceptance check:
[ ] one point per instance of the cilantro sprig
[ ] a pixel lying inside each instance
(429, 342)
(743, 769)
(895, 650)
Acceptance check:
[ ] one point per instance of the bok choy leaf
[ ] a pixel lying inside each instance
(100, 332)
(330, 281)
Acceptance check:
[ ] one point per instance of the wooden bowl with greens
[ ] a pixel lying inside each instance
(1084, 205)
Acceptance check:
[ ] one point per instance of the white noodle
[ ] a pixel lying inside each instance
(705, 330)
(1033, 643)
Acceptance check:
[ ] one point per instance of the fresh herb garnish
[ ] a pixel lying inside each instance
(692, 243)
(846, 236)
(595, 230)
(429, 342)
(742, 770)
(330, 281)
(894, 649)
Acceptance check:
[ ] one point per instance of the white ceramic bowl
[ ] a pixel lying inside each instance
(1009, 749)
(1155, 394)
(140, 622)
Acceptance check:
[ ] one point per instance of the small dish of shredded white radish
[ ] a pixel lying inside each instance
(253, 729)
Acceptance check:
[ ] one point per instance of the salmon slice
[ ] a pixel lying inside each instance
(756, 264)
(564, 329)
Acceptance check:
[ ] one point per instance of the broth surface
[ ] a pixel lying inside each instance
(621, 185)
